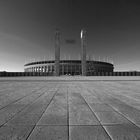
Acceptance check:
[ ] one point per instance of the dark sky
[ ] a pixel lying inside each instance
(27, 30)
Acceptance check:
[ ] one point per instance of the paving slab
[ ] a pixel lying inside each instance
(97, 107)
(111, 117)
(128, 111)
(49, 133)
(8, 112)
(79, 112)
(15, 132)
(56, 113)
(88, 133)
(11, 110)
(31, 118)
(25, 119)
(91, 99)
(123, 131)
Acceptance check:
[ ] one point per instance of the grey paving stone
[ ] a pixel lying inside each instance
(79, 112)
(8, 112)
(75, 98)
(100, 107)
(25, 119)
(91, 99)
(56, 113)
(53, 119)
(28, 99)
(49, 133)
(10, 97)
(31, 118)
(130, 112)
(88, 133)
(133, 115)
(35, 109)
(110, 117)
(15, 132)
(124, 132)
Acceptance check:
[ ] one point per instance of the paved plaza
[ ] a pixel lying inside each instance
(69, 109)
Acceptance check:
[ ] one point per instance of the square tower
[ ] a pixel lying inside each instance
(83, 52)
(57, 52)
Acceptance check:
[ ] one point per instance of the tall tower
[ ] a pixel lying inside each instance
(57, 52)
(83, 52)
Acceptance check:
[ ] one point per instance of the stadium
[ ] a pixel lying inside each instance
(68, 67)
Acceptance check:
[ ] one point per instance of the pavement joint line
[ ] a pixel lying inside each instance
(65, 125)
(26, 106)
(97, 118)
(41, 116)
(68, 113)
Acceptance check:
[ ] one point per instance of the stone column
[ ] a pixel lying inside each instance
(83, 52)
(62, 68)
(50, 68)
(57, 52)
(42, 69)
(45, 69)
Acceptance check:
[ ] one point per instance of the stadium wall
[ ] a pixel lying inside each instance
(16, 74)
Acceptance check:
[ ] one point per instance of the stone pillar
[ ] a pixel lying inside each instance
(62, 68)
(42, 69)
(47, 68)
(57, 52)
(83, 52)
(50, 68)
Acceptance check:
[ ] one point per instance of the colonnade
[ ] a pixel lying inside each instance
(64, 69)
(69, 68)
(47, 68)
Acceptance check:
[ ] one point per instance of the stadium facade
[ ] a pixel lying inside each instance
(69, 67)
